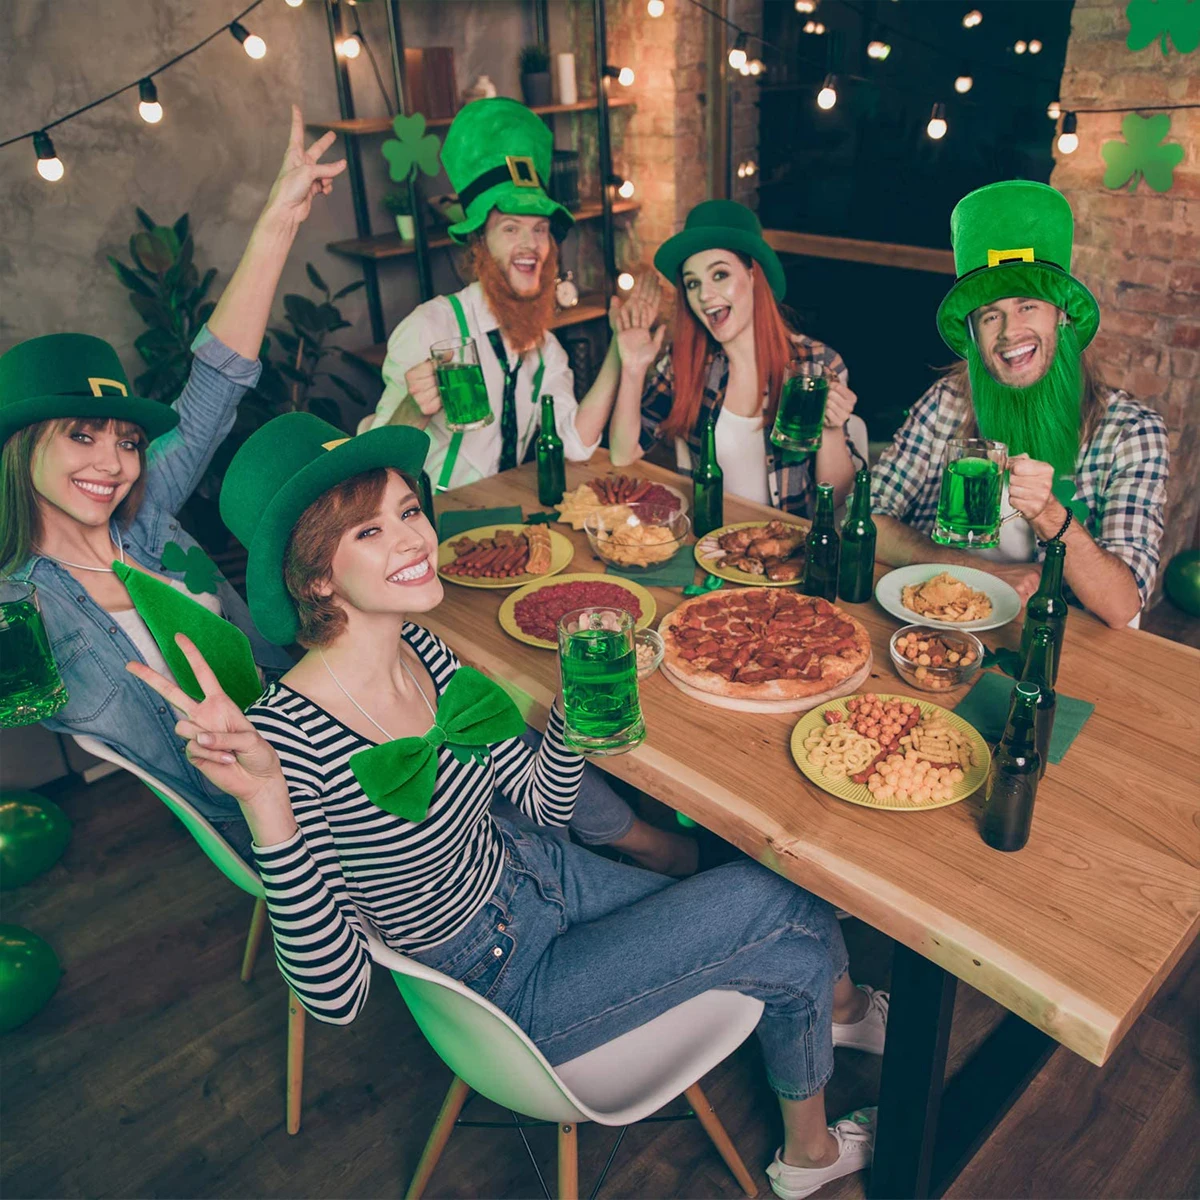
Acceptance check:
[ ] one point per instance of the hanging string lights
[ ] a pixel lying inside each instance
(349, 47)
(623, 75)
(972, 19)
(251, 42)
(1035, 46)
(737, 52)
(937, 126)
(149, 108)
(827, 96)
(49, 165)
(1068, 139)
(878, 50)
(964, 82)
(656, 8)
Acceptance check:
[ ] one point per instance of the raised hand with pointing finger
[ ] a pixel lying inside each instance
(302, 175)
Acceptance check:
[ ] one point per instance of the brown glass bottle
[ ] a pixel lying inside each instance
(1012, 780)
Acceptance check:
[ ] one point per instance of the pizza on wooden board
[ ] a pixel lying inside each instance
(761, 644)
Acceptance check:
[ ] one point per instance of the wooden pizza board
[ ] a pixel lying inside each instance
(800, 704)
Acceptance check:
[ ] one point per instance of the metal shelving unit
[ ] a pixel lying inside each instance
(369, 248)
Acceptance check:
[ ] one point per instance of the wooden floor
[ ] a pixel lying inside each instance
(155, 1072)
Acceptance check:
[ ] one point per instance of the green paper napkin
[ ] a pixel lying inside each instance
(457, 521)
(677, 571)
(986, 707)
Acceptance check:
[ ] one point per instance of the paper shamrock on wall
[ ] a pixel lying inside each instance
(1178, 20)
(200, 572)
(415, 148)
(1140, 155)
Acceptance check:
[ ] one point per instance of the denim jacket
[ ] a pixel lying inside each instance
(91, 649)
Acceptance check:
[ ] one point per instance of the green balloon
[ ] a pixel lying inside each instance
(29, 973)
(34, 832)
(1182, 582)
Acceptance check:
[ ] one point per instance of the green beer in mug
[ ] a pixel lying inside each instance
(461, 384)
(801, 412)
(30, 686)
(968, 513)
(598, 664)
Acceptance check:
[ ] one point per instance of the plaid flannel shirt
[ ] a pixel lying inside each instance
(1120, 474)
(790, 476)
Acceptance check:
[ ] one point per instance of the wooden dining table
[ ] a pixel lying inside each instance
(1073, 935)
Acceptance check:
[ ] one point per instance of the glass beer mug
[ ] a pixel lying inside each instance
(30, 686)
(597, 661)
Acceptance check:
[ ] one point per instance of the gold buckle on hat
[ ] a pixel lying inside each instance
(96, 383)
(522, 171)
(334, 444)
(998, 257)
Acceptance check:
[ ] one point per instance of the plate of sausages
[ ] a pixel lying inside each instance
(504, 556)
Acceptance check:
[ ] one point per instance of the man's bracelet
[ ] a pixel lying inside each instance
(1061, 530)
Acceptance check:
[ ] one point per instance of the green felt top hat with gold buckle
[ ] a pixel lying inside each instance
(1013, 239)
(71, 375)
(721, 225)
(497, 155)
(276, 474)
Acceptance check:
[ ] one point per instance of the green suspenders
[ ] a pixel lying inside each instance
(456, 440)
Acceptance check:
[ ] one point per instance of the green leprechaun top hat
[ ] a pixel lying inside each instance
(71, 375)
(497, 155)
(1013, 239)
(721, 225)
(277, 473)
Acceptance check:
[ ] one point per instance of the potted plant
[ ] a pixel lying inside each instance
(535, 75)
(399, 204)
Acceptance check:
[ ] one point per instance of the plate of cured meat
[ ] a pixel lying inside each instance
(504, 556)
(891, 752)
(756, 553)
(612, 494)
(760, 650)
(532, 614)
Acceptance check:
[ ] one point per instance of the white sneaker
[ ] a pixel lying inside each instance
(855, 1134)
(867, 1033)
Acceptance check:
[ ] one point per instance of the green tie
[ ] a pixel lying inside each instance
(473, 714)
(223, 646)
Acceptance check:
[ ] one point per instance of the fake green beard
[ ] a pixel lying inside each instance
(1041, 420)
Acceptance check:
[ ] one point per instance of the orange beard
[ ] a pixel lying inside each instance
(524, 320)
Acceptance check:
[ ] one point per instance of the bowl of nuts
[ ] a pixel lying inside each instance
(935, 660)
(649, 646)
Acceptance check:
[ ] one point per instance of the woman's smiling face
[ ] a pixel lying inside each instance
(86, 469)
(720, 292)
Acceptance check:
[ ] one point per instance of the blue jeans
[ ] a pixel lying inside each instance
(579, 950)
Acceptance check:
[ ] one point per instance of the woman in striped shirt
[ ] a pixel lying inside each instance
(575, 948)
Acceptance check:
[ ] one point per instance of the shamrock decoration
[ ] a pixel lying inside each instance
(1178, 20)
(1009, 661)
(200, 572)
(416, 148)
(1141, 155)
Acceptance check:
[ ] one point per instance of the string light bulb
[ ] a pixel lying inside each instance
(878, 50)
(1035, 46)
(149, 108)
(251, 42)
(737, 53)
(49, 165)
(827, 96)
(964, 83)
(1020, 48)
(937, 123)
(625, 281)
(973, 18)
(349, 47)
(623, 75)
(747, 169)
(756, 66)
(1068, 139)
(806, 6)
(624, 187)
(293, 3)
(814, 27)
(1053, 110)
(656, 8)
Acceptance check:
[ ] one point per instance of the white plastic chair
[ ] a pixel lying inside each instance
(618, 1083)
(239, 872)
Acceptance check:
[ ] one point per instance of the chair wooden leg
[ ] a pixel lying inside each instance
(707, 1117)
(295, 1062)
(456, 1097)
(258, 924)
(568, 1162)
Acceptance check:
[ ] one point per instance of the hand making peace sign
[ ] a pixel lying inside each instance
(302, 175)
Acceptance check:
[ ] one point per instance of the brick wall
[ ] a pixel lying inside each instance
(1140, 252)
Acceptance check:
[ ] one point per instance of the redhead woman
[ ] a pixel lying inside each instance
(730, 346)
(91, 474)
(367, 775)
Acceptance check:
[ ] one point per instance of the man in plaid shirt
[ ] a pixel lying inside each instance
(1087, 464)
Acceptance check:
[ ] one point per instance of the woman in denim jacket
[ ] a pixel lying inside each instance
(82, 484)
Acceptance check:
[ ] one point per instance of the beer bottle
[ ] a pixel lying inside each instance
(1047, 606)
(552, 474)
(708, 480)
(856, 573)
(1039, 669)
(1013, 778)
(425, 496)
(821, 549)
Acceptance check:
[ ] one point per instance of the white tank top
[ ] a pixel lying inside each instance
(740, 455)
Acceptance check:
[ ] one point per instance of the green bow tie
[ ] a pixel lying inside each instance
(473, 714)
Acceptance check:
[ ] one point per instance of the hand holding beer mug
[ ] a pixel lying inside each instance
(460, 381)
(597, 660)
(968, 514)
(30, 686)
(801, 412)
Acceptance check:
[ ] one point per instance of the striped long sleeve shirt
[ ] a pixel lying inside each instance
(416, 883)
